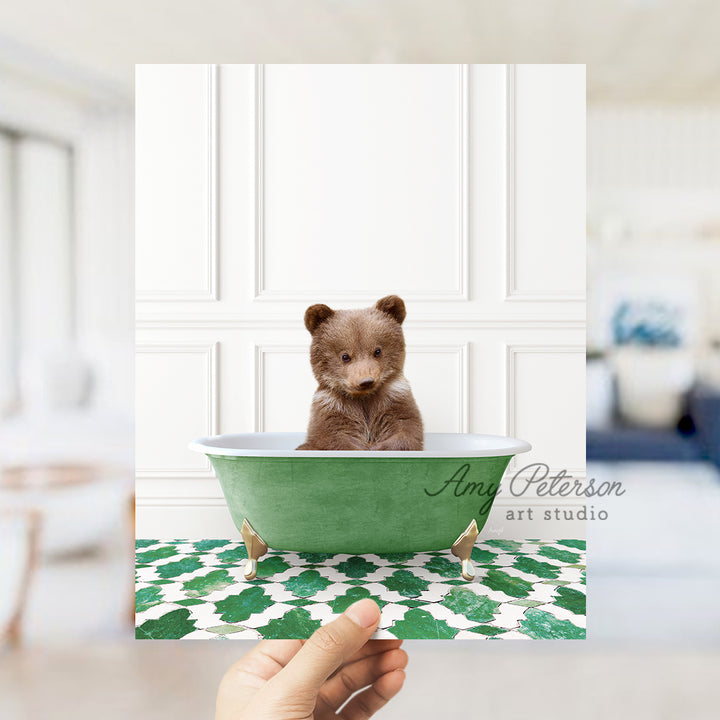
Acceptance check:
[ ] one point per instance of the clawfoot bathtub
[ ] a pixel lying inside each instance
(359, 501)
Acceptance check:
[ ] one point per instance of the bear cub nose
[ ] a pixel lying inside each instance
(366, 383)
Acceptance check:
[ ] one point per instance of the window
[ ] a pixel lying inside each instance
(37, 267)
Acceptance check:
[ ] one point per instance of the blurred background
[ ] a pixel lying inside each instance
(653, 365)
(66, 346)
(66, 460)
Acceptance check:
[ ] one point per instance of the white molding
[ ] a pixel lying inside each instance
(511, 351)
(512, 294)
(258, 185)
(243, 321)
(262, 294)
(260, 350)
(211, 353)
(212, 180)
(210, 292)
(464, 188)
(463, 389)
(510, 180)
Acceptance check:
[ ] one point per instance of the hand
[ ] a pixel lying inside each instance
(312, 679)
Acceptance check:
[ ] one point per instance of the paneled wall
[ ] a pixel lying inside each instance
(264, 189)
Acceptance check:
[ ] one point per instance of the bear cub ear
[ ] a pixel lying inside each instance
(315, 315)
(393, 306)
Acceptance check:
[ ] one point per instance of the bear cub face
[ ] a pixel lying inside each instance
(356, 352)
(363, 401)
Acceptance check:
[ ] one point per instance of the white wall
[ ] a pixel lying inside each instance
(261, 190)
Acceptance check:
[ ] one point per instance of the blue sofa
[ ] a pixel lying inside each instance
(697, 436)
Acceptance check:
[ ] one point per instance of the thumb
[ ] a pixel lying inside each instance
(327, 649)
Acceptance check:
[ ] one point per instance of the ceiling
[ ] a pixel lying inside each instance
(637, 51)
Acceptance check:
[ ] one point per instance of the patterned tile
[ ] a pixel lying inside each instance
(523, 589)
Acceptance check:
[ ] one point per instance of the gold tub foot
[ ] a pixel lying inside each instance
(462, 548)
(256, 548)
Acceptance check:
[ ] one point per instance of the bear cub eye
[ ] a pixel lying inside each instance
(346, 358)
(377, 352)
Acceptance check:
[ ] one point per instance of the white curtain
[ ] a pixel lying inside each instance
(37, 269)
(8, 338)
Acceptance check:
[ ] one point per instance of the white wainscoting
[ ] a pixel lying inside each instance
(263, 189)
(546, 112)
(175, 181)
(176, 395)
(388, 183)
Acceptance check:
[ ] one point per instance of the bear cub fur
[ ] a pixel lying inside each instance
(363, 401)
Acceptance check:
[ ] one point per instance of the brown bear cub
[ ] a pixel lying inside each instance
(363, 401)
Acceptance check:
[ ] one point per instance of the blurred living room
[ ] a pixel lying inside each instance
(653, 345)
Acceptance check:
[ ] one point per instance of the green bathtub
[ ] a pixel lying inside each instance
(359, 502)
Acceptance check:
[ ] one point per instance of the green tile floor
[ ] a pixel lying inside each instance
(523, 589)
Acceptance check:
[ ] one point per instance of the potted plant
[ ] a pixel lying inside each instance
(654, 367)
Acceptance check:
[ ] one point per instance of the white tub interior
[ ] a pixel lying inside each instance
(275, 444)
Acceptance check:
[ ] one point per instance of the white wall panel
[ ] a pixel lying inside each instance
(175, 402)
(546, 174)
(362, 181)
(175, 174)
(195, 519)
(546, 404)
(438, 375)
(284, 386)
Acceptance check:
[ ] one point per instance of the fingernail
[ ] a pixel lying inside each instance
(363, 613)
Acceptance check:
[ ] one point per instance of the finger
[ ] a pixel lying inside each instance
(264, 661)
(358, 675)
(327, 649)
(374, 647)
(249, 674)
(279, 651)
(370, 700)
